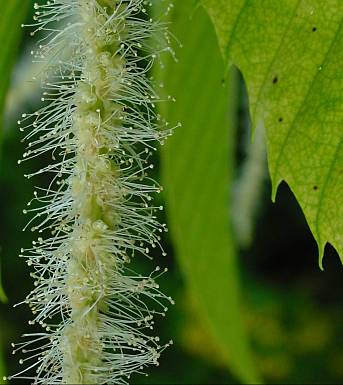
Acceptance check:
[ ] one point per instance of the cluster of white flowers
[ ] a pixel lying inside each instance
(98, 126)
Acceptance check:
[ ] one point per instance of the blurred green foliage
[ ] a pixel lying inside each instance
(197, 182)
(11, 16)
(291, 311)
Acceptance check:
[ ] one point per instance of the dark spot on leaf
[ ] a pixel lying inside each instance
(315, 187)
(314, 29)
(275, 80)
(280, 119)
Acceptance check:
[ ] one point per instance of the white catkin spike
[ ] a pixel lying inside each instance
(94, 128)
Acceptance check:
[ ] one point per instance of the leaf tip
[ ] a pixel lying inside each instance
(321, 248)
(275, 186)
(321, 262)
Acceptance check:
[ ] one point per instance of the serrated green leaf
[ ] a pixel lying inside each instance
(291, 53)
(197, 171)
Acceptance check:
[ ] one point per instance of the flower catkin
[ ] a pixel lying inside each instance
(98, 125)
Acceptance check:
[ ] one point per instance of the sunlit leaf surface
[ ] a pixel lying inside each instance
(291, 55)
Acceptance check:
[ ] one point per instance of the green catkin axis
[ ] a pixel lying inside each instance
(96, 209)
(81, 341)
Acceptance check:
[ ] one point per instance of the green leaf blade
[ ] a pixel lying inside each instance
(290, 53)
(197, 172)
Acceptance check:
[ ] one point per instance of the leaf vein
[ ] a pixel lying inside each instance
(304, 100)
(274, 57)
